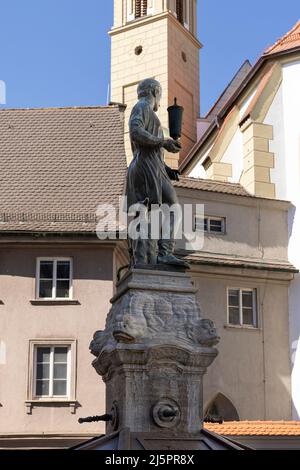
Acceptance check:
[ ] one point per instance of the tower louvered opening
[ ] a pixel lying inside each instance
(180, 11)
(141, 8)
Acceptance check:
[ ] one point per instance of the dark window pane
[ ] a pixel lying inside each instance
(247, 299)
(42, 387)
(59, 387)
(43, 371)
(43, 355)
(46, 269)
(45, 290)
(205, 225)
(60, 355)
(248, 316)
(234, 315)
(216, 226)
(63, 289)
(60, 371)
(234, 298)
(63, 270)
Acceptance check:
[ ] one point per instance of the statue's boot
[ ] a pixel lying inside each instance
(165, 254)
(172, 260)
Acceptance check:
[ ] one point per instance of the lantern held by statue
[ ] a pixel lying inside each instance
(175, 120)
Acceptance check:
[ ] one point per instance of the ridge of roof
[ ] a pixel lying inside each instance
(60, 108)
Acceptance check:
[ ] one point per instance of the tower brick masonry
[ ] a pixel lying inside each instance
(161, 44)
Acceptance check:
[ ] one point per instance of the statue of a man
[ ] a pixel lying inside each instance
(149, 179)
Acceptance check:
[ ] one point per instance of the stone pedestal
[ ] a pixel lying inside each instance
(154, 353)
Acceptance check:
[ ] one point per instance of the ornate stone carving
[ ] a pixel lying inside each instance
(143, 316)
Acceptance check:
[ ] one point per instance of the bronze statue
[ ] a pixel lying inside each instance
(149, 179)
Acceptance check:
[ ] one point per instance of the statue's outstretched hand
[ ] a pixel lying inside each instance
(172, 174)
(172, 146)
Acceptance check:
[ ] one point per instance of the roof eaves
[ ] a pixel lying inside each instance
(213, 126)
(282, 40)
(246, 62)
(62, 108)
(255, 69)
(281, 53)
(244, 265)
(224, 110)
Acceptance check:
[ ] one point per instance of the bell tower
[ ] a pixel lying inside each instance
(157, 38)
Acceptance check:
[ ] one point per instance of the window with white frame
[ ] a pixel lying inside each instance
(54, 278)
(214, 225)
(242, 307)
(52, 371)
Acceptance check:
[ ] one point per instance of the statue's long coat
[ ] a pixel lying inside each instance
(147, 171)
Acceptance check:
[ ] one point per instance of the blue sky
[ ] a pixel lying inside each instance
(57, 52)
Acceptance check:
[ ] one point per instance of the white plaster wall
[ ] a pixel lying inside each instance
(234, 155)
(246, 103)
(291, 126)
(283, 115)
(198, 171)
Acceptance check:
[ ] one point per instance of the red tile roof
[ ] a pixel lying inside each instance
(289, 41)
(256, 428)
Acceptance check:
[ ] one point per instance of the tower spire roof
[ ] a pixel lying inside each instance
(290, 40)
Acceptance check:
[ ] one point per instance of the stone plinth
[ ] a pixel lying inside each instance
(154, 353)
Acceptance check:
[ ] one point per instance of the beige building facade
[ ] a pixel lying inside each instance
(249, 256)
(28, 323)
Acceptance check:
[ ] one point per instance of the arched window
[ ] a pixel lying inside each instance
(221, 409)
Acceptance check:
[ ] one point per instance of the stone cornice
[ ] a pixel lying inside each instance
(152, 19)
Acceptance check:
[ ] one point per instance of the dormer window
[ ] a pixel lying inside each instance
(138, 8)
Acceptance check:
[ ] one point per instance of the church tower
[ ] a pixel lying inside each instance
(157, 38)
